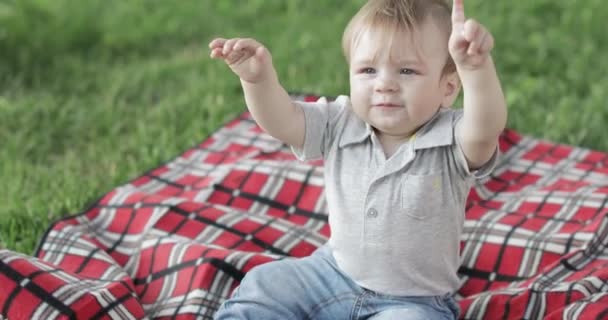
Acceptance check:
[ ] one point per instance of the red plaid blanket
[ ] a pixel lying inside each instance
(176, 241)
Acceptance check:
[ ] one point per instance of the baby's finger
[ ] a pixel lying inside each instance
(487, 45)
(471, 30)
(234, 56)
(228, 46)
(458, 12)
(262, 54)
(216, 43)
(247, 44)
(475, 46)
(216, 53)
(458, 46)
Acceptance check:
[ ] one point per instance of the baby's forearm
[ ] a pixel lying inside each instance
(485, 111)
(274, 110)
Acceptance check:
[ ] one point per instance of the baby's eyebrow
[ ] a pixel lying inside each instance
(363, 62)
(409, 61)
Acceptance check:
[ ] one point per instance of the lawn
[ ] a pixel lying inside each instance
(96, 92)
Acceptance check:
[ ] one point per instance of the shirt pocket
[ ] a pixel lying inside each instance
(422, 195)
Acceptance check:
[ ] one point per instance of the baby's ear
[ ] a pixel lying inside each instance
(450, 85)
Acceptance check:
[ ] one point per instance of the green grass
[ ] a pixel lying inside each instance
(93, 93)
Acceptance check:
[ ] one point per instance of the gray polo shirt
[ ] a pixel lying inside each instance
(395, 223)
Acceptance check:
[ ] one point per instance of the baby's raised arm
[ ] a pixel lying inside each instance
(266, 99)
(485, 111)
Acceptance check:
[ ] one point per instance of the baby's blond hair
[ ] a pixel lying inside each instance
(391, 16)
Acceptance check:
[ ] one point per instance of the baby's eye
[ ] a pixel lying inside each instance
(407, 71)
(368, 70)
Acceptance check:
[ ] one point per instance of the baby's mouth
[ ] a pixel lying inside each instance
(387, 105)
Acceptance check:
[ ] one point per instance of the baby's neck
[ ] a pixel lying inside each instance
(390, 144)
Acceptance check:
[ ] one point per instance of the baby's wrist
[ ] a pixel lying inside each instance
(263, 80)
(486, 64)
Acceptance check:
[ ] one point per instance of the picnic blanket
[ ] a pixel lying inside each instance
(175, 242)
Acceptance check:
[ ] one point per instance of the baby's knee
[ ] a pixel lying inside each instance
(258, 297)
(259, 277)
(269, 280)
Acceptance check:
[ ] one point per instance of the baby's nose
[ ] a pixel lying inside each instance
(386, 83)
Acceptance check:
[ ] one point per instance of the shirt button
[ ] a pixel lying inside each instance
(372, 213)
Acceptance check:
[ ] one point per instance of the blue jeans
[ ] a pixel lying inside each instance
(314, 288)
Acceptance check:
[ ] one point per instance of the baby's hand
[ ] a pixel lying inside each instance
(470, 42)
(249, 59)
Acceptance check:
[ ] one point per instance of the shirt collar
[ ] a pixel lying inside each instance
(355, 131)
(438, 131)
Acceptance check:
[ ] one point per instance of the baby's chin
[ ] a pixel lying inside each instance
(393, 128)
(391, 116)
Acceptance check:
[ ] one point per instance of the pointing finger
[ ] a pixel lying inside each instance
(458, 17)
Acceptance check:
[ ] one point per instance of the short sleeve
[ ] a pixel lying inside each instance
(320, 118)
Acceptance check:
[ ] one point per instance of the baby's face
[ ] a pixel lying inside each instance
(397, 88)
